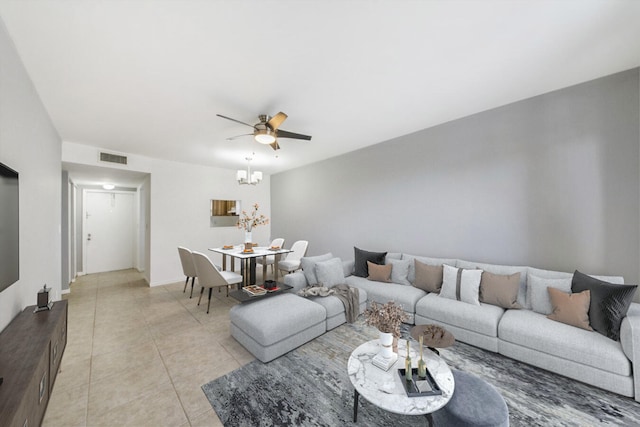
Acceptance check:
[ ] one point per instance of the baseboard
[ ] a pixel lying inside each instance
(65, 291)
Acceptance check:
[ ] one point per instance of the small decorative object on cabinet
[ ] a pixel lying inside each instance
(43, 299)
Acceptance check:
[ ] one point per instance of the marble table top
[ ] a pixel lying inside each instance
(384, 388)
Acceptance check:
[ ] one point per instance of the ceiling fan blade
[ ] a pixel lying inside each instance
(239, 136)
(234, 120)
(275, 121)
(275, 145)
(287, 134)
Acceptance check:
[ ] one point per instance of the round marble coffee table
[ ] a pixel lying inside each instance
(384, 388)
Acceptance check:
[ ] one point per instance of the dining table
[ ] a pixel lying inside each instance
(248, 260)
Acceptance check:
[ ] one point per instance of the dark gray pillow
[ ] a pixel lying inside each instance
(361, 257)
(609, 303)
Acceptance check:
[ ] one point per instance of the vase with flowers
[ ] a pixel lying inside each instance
(387, 319)
(248, 221)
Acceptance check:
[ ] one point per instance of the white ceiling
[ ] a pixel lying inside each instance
(148, 76)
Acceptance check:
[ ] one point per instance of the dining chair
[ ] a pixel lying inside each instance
(210, 277)
(271, 259)
(292, 262)
(188, 268)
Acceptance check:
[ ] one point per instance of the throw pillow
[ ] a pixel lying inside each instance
(308, 265)
(537, 293)
(460, 284)
(500, 290)
(361, 258)
(379, 273)
(609, 303)
(400, 271)
(571, 309)
(428, 277)
(330, 273)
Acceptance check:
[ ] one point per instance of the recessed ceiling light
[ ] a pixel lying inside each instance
(108, 186)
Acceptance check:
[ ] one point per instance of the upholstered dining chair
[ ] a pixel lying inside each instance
(188, 268)
(210, 277)
(271, 259)
(292, 262)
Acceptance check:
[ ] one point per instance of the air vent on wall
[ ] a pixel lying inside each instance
(113, 158)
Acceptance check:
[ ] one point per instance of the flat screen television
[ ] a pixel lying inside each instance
(9, 228)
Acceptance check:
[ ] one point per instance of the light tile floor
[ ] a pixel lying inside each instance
(138, 356)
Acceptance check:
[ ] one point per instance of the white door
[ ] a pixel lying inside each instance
(108, 231)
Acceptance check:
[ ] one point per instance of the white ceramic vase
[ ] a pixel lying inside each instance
(247, 237)
(386, 341)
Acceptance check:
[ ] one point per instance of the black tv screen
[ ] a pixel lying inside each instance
(9, 228)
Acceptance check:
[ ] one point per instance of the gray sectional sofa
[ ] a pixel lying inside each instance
(523, 334)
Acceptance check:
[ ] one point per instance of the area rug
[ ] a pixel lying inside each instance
(309, 386)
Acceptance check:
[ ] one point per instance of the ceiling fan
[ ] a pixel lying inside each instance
(267, 130)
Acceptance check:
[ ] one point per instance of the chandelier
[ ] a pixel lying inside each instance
(248, 177)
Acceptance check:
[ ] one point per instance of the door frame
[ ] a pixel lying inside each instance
(136, 225)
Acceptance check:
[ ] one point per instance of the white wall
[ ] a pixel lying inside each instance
(178, 196)
(30, 145)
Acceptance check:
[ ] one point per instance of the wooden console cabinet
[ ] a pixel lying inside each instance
(31, 348)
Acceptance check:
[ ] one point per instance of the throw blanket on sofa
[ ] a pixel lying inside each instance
(349, 296)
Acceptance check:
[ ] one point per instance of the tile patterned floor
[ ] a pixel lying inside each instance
(137, 356)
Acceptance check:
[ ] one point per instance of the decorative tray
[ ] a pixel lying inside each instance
(419, 387)
(254, 290)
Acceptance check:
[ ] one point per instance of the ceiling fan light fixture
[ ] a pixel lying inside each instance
(265, 136)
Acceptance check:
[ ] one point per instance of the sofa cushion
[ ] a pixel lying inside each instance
(428, 277)
(361, 257)
(534, 331)
(405, 296)
(330, 273)
(400, 270)
(504, 270)
(461, 284)
(609, 303)
(499, 289)
(630, 323)
(274, 319)
(426, 260)
(551, 274)
(333, 305)
(538, 295)
(571, 309)
(308, 265)
(482, 319)
(379, 273)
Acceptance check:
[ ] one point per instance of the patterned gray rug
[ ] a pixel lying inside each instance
(309, 386)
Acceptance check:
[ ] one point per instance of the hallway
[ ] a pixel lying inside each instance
(138, 356)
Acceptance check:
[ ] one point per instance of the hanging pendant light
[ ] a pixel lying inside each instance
(248, 177)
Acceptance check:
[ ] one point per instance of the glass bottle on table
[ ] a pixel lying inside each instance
(407, 363)
(422, 366)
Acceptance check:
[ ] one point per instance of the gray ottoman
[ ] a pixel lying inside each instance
(475, 402)
(273, 326)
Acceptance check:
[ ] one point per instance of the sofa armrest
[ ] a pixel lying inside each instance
(297, 280)
(348, 267)
(630, 341)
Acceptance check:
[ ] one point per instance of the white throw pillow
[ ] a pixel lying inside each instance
(330, 273)
(469, 284)
(538, 295)
(308, 265)
(400, 271)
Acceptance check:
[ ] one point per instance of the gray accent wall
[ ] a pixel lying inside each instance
(551, 182)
